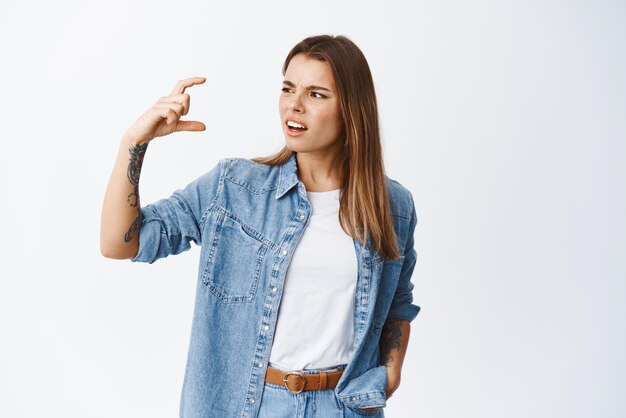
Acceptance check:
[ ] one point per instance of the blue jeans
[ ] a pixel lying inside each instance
(278, 402)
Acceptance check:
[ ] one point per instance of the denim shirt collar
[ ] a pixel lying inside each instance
(288, 176)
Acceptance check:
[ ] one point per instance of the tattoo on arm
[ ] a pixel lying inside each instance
(137, 153)
(390, 338)
(128, 236)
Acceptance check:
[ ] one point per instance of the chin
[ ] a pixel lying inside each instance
(294, 145)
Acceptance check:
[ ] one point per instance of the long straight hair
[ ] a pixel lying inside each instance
(364, 200)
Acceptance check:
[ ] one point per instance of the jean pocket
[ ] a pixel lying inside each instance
(232, 260)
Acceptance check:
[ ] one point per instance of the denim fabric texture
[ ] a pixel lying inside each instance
(247, 218)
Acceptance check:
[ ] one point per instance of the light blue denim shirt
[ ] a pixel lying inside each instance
(248, 217)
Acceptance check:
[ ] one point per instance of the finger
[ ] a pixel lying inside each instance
(165, 113)
(183, 99)
(190, 125)
(175, 106)
(188, 82)
(369, 409)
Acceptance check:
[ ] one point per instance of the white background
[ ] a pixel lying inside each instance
(505, 119)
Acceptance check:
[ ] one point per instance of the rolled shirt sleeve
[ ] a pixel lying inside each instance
(402, 306)
(169, 225)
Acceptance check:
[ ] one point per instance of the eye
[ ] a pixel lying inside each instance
(285, 90)
(317, 95)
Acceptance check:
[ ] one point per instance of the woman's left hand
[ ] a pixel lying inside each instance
(393, 381)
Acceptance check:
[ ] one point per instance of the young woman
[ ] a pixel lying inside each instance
(304, 293)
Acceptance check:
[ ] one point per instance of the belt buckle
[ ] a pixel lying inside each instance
(286, 378)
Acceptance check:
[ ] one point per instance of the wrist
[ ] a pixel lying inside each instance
(129, 141)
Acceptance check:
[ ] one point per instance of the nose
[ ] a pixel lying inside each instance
(295, 104)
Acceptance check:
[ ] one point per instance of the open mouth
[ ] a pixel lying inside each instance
(295, 126)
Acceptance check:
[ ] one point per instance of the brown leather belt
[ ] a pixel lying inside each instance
(296, 382)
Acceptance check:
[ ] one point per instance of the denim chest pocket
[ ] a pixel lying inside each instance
(234, 261)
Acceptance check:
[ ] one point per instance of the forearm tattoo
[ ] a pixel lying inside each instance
(137, 153)
(390, 339)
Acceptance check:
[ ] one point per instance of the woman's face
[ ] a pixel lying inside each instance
(309, 100)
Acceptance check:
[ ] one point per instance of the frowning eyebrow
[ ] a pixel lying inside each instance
(290, 84)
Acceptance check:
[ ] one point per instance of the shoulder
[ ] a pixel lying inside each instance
(402, 204)
(249, 174)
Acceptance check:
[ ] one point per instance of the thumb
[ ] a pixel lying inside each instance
(190, 125)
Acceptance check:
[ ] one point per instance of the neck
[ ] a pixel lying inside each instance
(319, 173)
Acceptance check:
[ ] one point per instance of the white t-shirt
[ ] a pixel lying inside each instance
(315, 322)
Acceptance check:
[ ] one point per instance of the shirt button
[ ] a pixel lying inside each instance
(266, 327)
(363, 301)
(301, 216)
(251, 400)
(273, 288)
(260, 364)
(284, 252)
(353, 399)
